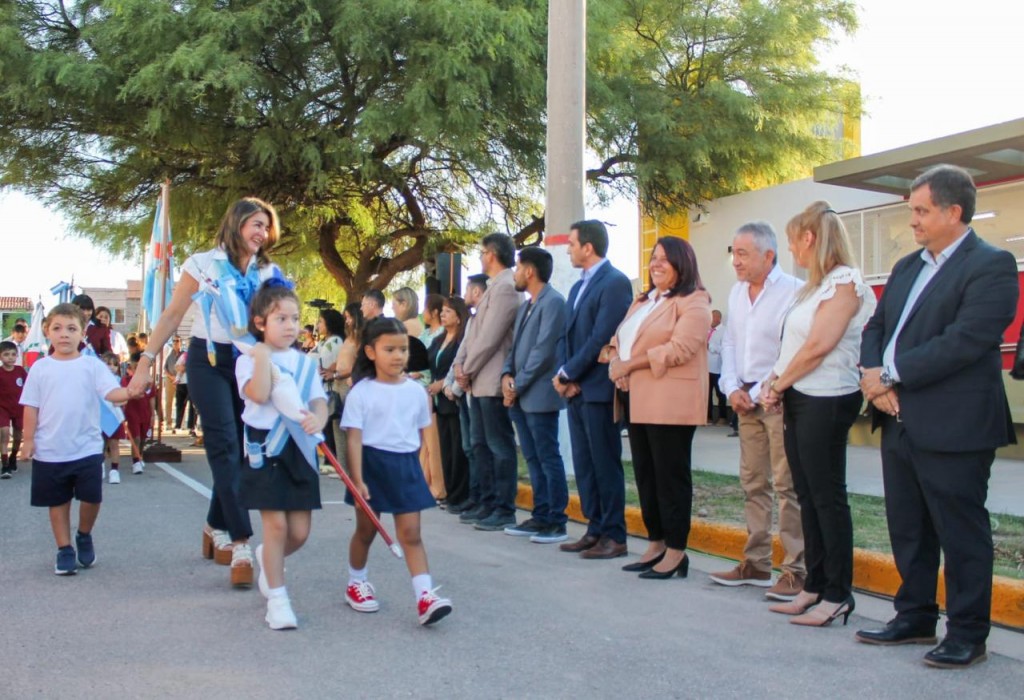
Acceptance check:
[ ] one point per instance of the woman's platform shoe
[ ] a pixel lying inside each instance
(241, 565)
(216, 545)
(681, 570)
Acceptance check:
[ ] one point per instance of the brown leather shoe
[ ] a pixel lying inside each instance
(582, 544)
(606, 548)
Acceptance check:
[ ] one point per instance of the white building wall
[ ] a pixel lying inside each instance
(711, 234)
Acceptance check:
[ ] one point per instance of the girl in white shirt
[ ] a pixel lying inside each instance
(386, 414)
(280, 478)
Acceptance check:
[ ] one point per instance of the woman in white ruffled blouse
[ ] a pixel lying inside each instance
(817, 384)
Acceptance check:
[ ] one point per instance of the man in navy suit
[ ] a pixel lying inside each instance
(932, 369)
(533, 404)
(596, 306)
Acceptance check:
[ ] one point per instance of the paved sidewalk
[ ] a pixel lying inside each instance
(713, 451)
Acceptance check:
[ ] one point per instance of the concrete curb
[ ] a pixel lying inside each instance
(872, 571)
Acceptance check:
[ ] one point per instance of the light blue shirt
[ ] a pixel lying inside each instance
(586, 276)
(930, 269)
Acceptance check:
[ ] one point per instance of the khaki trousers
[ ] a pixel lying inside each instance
(762, 465)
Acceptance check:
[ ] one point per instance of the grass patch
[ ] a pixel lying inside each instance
(719, 498)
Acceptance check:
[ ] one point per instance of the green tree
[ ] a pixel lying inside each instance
(387, 130)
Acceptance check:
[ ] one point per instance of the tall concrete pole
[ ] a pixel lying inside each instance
(567, 64)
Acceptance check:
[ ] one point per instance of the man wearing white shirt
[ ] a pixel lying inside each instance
(758, 303)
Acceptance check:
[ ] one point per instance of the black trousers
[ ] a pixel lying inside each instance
(723, 401)
(936, 501)
(664, 481)
(816, 431)
(214, 393)
(181, 400)
(454, 463)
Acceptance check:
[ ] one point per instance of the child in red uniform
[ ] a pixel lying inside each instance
(12, 379)
(138, 413)
(112, 442)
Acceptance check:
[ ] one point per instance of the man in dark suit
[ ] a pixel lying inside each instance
(597, 304)
(533, 403)
(932, 370)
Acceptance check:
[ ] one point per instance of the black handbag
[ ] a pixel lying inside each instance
(1017, 372)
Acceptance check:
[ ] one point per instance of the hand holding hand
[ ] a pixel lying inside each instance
(871, 383)
(572, 389)
(887, 403)
(617, 369)
(741, 402)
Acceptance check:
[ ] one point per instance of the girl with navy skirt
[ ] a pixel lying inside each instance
(277, 478)
(385, 416)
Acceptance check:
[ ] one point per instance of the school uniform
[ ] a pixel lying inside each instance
(390, 417)
(11, 385)
(285, 481)
(68, 457)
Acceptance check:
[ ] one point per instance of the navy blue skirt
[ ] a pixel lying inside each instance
(396, 482)
(285, 482)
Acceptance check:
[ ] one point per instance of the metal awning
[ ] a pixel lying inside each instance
(991, 154)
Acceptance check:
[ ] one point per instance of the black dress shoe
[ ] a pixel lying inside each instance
(643, 565)
(682, 569)
(953, 653)
(898, 631)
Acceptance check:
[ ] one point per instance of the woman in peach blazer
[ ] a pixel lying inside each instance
(658, 360)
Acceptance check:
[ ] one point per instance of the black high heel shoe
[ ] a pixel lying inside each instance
(643, 565)
(681, 569)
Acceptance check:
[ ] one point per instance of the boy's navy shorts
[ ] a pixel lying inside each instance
(56, 483)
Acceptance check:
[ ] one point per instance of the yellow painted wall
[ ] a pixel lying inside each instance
(652, 229)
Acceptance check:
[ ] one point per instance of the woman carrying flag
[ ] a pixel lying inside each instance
(221, 281)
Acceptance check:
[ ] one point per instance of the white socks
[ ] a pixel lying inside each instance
(422, 583)
(281, 592)
(357, 575)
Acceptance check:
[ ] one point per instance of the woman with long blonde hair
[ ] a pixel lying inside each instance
(817, 384)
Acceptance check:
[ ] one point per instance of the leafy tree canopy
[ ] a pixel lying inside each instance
(387, 130)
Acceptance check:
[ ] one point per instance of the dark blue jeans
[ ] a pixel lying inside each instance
(465, 425)
(494, 448)
(538, 439)
(597, 463)
(214, 394)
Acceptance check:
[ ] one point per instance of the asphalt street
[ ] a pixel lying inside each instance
(154, 620)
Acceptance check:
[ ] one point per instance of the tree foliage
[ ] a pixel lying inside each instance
(386, 130)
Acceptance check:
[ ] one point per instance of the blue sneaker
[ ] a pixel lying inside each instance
(66, 565)
(86, 552)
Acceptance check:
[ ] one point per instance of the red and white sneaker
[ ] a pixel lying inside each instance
(431, 608)
(359, 596)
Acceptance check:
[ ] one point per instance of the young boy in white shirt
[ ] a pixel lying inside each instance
(62, 434)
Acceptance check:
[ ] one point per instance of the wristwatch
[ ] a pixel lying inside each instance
(886, 379)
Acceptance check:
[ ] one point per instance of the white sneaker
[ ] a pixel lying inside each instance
(280, 615)
(359, 596)
(115, 476)
(261, 579)
(138, 467)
